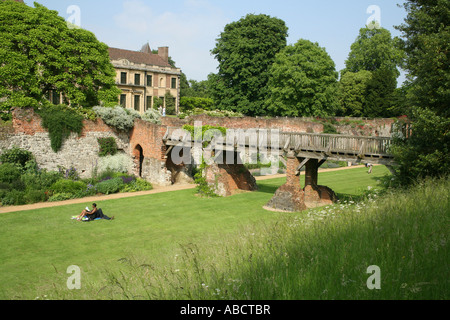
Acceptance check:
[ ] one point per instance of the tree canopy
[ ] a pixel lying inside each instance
(369, 80)
(426, 42)
(245, 51)
(303, 82)
(374, 49)
(41, 54)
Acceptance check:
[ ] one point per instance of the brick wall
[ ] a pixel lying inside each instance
(346, 126)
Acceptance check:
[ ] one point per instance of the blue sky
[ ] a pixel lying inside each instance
(191, 27)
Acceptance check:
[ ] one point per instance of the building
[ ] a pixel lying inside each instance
(147, 80)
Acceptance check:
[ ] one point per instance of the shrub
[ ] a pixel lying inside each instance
(9, 173)
(110, 186)
(4, 189)
(108, 146)
(16, 156)
(152, 116)
(14, 198)
(68, 186)
(191, 103)
(137, 185)
(117, 117)
(41, 179)
(35, 196)
(60, 197)
(329, 128)
(117, 163)
(71, 173)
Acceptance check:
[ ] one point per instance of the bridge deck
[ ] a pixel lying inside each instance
(307, 145)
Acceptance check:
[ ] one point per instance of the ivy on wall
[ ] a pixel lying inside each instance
(60, 121)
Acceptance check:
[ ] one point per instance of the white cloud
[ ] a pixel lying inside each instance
(189, 31)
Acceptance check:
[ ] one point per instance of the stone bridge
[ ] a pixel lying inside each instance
(226, 172)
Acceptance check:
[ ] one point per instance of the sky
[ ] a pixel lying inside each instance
(190, 27)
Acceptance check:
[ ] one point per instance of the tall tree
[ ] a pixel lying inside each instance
(40, 53)
(374, 49)
(245, 51)
(426, 42)
(303, 82)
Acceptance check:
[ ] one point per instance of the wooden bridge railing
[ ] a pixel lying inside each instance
(355, 146)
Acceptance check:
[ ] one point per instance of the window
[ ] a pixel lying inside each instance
(137, 103)
(137, 79)
(123, 78)
(174, 83)
(123, 100)
(56, 99)
(149, 103)
(149, 80)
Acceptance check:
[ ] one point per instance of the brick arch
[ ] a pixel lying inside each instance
(138, 155)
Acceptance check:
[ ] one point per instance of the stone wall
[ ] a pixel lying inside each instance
(80, 152)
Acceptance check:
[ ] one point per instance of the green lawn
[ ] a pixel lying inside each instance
(37, 246)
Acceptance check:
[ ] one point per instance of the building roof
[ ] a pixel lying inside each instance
(138, 57)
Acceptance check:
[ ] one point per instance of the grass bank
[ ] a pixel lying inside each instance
(321, 254)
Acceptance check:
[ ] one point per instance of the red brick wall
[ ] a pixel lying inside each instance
(26, 121)
(150, 137)
(283, 124)
(369, 127)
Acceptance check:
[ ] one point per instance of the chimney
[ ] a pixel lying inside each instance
(163, 52)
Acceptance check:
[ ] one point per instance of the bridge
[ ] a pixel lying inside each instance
(297, 150)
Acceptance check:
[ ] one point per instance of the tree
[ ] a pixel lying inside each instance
(303, 82)
(245, 51)
(425, 153)
(353, 87)
(40, 54)
(374, 49)
(426, 42)
(379, 94)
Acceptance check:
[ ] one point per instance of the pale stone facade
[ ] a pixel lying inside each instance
(143, 76)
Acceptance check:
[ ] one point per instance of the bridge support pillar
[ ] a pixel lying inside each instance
(290, 196)
(315, 195)
(228, 178)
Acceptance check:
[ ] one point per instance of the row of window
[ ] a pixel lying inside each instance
(137, 102)
(149, 82)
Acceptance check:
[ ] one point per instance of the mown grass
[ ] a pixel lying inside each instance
(178, 246)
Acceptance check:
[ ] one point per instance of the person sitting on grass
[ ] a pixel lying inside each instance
(93, 214)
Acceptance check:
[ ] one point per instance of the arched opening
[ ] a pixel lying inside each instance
(139, 159)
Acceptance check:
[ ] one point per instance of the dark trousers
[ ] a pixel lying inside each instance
(98, 214)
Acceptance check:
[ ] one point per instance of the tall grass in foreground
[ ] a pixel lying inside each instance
(318, 254)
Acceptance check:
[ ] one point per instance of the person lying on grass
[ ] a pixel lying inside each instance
(93, 214)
